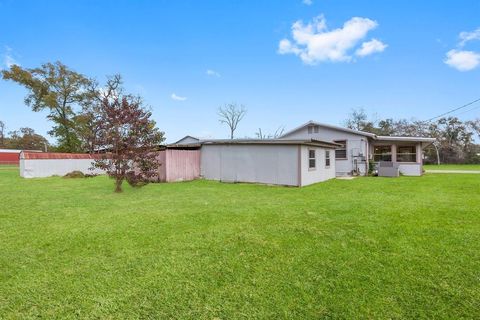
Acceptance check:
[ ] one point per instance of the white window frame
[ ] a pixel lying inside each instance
(310, 158)
(327, 159)
(346, 154)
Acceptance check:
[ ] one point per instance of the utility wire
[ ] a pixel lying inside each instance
(461, 107)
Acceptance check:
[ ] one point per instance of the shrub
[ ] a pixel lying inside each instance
(74, 174)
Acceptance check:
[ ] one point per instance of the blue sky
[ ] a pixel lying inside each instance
(319, 72)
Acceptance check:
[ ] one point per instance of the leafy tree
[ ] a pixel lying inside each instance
(124, 127)
(57, 89)
(26, 139)
(358, 120)
(231, 114)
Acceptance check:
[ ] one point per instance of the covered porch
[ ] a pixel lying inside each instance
(406, 153)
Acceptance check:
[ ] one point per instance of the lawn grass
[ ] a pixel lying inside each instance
(468, 167)
(405, 247)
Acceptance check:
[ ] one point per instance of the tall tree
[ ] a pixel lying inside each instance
(231, 114)
(58, 89)
(358, 120)
(2, 133)
(124, 126)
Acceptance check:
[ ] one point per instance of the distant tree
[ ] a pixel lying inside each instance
(231, 114)
(2, 133)
(56, 88)
(261, 135)
(124, 127)
(26, 139)
(358, 120)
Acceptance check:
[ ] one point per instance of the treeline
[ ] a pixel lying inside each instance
(455, 139)
(23, 139)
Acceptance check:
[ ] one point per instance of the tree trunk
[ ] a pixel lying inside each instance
(118, 185)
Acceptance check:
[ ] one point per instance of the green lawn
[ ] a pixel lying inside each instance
(452, 167)
(366, 248)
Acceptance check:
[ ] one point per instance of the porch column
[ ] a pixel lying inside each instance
(394, 153)
(419, 153)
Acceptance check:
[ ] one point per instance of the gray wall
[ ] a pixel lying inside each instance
(270, 164)
(321, 172)
(355, 144)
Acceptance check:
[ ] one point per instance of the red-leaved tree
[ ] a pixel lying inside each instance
(124, 128)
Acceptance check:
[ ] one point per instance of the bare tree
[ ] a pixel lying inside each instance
(261, 135)
(231, 114)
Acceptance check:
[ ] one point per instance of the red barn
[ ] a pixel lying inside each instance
(11, 156)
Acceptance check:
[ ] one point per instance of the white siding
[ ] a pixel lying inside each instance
(321, 172)
(410, 169)
(270, 164)
(40, 168)
(356, 144)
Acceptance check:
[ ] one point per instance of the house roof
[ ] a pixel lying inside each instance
(412, 139)
(187, 136)
(309, 142)
(311, 122)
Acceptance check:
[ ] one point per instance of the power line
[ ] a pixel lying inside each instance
(461, 107)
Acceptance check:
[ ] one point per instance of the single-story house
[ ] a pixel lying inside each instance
(357, 148)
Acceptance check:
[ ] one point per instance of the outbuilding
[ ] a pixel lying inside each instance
(270, 161)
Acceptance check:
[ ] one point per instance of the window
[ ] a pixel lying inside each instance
(312, 129)
(382, 153)
(327, 158)
(312, 161)
(341, 152)
(406, 154)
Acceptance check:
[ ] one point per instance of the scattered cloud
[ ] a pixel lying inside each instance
(212, 73)
(177, 98)
(8, 59)
(307, 2)
(467, 36)
(370, 47)
(462, 60)
(314, 43)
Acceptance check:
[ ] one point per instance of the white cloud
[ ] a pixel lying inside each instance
(462, 60)
(314, 43)
(370, 47)
(307, 2)
(466, 36)
(8, 59)
(212, 73)
(178, 98)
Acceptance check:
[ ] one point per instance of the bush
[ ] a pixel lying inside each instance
(74, 174)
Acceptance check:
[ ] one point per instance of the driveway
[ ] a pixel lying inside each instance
(453, 171)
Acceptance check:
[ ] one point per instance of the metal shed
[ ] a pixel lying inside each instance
(272, 161)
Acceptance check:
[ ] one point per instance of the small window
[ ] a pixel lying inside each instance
(327, 158)
(312, 161)
(406, 154)
(341, 152)
(312, 129)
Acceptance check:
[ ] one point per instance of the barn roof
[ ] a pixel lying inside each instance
(57, 155)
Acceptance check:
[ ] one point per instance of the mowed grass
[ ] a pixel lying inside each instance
(405, 247)
(469, 167)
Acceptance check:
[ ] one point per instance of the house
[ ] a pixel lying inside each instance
(270, 161)
(357, 148)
